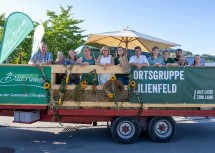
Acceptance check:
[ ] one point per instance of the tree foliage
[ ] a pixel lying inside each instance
(2, 22)
(209, 58)
(62, 32)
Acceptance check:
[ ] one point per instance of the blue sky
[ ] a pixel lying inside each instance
(190, 23)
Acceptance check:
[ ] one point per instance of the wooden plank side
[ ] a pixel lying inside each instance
(86, 69)
(129, 105)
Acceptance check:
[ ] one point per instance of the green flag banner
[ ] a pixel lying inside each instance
(23, 85)
(174, 85)
(17, 27)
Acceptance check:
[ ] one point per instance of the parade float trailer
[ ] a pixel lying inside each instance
(148, 102)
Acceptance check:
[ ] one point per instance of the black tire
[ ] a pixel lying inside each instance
(125, 129)
(162, 129)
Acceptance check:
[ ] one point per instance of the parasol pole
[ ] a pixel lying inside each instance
(126, 46)
(94, 57)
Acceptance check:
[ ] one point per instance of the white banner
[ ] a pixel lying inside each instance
(38, 36)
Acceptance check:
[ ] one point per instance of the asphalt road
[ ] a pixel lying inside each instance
(193, 136)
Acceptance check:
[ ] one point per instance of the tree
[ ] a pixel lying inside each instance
(2, 22)
(62, 32)
(187, 53)
(209, 58)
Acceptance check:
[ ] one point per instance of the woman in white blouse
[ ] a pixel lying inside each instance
(104, 60)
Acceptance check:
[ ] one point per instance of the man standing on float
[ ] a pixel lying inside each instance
(138, 60)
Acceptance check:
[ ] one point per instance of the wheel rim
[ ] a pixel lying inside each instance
(163, 128)
(126, 129)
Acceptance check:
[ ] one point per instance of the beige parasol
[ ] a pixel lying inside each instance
(128, 39)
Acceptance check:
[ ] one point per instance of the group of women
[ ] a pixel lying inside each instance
(105, 59)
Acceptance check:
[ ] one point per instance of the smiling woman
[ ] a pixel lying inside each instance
(104, 60)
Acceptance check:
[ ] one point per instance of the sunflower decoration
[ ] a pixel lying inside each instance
(132, 83)
(115, 87)
(113, 78)
(59, 101)
(83, 84)
(67, 79)
(110, 95)
(46, 85)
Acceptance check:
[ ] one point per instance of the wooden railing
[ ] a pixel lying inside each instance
(114, 69)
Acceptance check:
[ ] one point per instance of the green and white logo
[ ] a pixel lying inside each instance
(17, 27)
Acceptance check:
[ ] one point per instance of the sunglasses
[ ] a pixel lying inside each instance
(106, 50)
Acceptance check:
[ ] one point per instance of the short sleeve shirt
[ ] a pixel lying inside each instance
(170, 60)
(152, 61)
(139, 60)
(39, 59)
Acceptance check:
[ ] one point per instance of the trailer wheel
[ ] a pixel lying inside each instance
(125, 129)
(162, 129)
